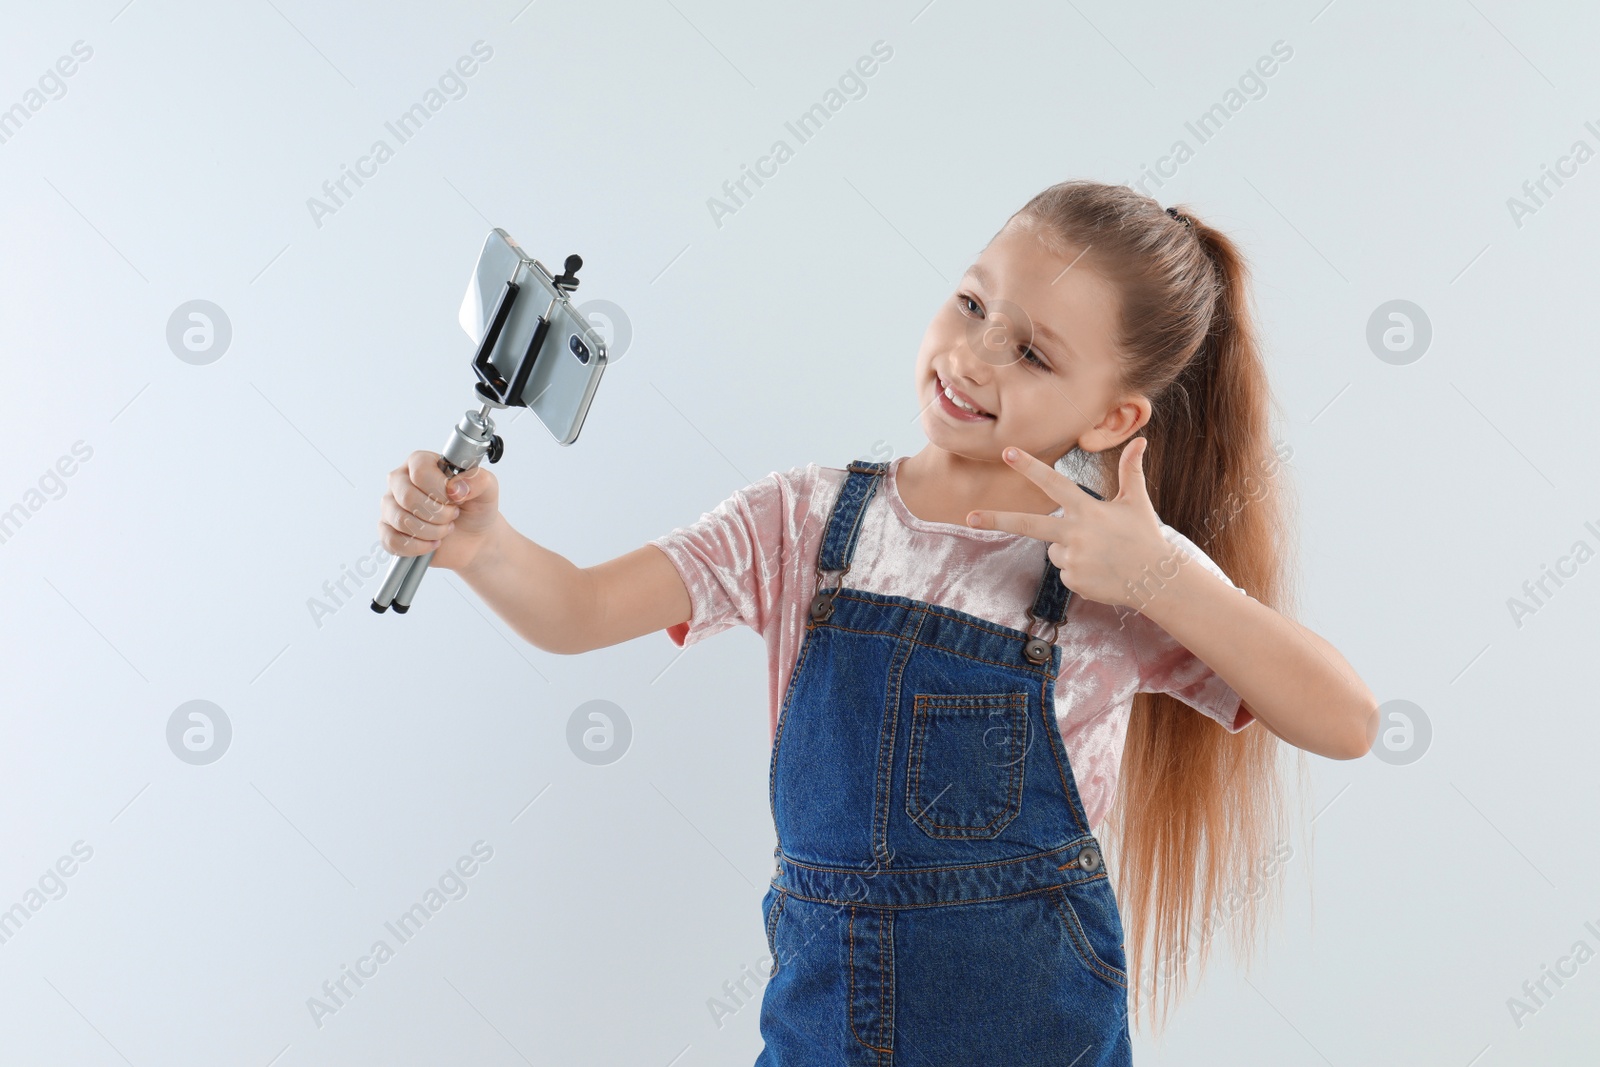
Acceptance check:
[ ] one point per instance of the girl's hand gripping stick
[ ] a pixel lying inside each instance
(473, 438)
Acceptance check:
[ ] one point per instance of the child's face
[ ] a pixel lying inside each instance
(1028, 341)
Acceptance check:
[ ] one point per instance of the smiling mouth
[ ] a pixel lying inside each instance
(956, 399)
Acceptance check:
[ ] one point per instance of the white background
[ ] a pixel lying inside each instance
(369, 752)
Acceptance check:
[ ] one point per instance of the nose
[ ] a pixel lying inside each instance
(969, 363)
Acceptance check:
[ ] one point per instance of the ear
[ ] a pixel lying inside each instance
(1120, 422)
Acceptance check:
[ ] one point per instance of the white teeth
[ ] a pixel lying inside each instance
(963, 405)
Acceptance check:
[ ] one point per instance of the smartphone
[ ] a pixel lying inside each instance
(535, 350)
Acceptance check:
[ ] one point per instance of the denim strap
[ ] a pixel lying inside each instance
(844, 527)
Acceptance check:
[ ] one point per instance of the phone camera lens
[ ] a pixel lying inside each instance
(579, 349)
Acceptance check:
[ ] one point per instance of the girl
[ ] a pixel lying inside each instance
(977, 662)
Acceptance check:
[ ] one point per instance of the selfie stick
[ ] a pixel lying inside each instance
(474, 435)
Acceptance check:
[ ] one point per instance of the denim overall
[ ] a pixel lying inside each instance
(939, 900)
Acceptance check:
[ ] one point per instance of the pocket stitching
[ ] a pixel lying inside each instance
(772, 930)
(920, 719)
(1080, 940)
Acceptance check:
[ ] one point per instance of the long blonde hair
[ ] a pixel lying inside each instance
(1198, 827)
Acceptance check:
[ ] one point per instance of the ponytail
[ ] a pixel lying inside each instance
(1197, 808)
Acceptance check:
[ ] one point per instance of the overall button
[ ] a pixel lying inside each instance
(1089, 858)
(821, 607)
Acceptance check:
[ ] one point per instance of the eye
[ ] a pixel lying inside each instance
(1028, 355)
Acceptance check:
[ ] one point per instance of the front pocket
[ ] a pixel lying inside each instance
(1088, 910)
(966, 761)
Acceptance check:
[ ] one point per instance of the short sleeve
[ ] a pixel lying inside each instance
(731, 560)
(1165, 666)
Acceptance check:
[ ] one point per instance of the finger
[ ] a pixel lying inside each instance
(1130, 471)
(412, 525)
(420, 504)
(1057, 486)
(1042, 527)
(398, 544)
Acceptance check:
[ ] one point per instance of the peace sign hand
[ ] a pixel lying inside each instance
(1105, 549)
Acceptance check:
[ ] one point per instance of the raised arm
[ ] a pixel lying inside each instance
(549, 601)
(560, 607)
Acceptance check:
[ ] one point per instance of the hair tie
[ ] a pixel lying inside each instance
(1181, 218)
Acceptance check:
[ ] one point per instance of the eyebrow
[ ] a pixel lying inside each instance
(980, 272)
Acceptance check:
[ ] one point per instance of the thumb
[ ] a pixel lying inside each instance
(464, 485)
(1130, 471)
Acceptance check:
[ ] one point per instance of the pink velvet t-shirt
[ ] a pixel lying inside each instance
(753, 560)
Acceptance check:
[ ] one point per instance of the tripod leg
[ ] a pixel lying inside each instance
(413, 578)
(399, 568)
